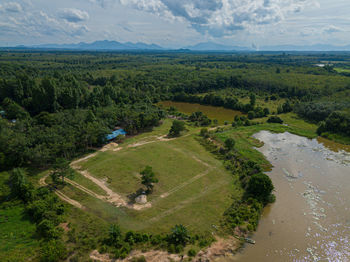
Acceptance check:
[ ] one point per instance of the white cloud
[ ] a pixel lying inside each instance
(222, 17)
(73, 15)
(39, 24)
(332, 29)
(11, 7)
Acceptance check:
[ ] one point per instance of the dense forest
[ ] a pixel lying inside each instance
(61, 104)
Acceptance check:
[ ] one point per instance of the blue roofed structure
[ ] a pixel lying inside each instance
(115, 134)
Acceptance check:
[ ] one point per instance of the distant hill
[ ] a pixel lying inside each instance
(315, 48)
(205, 46)
(211, 46)
(99, 45)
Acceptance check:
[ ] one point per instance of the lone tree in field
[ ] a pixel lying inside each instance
(176, 128)
(230, 143)
(61, 169)
(148, 179)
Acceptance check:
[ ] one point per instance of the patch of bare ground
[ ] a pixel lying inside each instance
(64, 226)
(62, 196)
(109, 146)
(222, 248)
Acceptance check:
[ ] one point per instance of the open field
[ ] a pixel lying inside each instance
(194, 189)
(213, 112)
(342, 70)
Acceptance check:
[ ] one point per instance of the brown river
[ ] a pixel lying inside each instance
(310, 220)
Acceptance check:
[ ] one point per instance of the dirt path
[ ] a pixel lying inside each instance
(186, 202)
(179, 187)
(115, 198)
(83, 159)
(42, 182)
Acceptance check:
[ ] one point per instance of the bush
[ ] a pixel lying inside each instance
(53, 251)
(176, 128)
(230, 144)
(260, 187)
(179, 235)
(191, 253)
(275, 119)
(251, 114)
(139, 259)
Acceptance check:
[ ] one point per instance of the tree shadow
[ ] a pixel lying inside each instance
(131, 197)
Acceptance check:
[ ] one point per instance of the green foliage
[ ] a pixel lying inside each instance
(176, 128)
(115, 236)
(20, 186)
(179, 235)
(200, 119)
(230, 143)
(260, 187)
(61, 169)
(275, 119)
(53, 251)
(148, 178)
(243, 214)
(204, 132)
(336, 122)
(191, 253)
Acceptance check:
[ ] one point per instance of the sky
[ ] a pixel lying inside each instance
(176, 23)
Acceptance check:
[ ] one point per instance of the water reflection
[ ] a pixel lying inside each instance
(310, 219)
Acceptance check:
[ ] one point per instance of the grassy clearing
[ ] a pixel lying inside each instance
(272, 105)
(87, 183)
(198, 187)
(17, 235)
(213, 112)
(18, 241)
(342, 70)
(245, 143)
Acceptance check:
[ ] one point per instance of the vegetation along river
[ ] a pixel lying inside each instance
(310, 220)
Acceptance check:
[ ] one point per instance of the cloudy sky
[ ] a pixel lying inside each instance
(176, 23)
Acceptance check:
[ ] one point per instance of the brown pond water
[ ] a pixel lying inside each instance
(213, 112)
(310, 220)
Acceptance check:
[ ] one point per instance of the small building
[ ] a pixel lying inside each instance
(2, 113)
(115, 134)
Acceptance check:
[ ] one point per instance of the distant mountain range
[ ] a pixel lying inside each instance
(98, 45)
(211, 46)
(207, 46)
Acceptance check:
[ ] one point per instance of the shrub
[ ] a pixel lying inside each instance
(179, 235)
(53, 251)
(260, 187)
(230, 144)
(275, 119)
(191, 253)
(176, 128)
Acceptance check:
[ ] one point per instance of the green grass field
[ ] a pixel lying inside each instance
(17, 235)
(195, 186)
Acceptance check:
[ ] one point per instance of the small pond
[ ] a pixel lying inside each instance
(213, 112)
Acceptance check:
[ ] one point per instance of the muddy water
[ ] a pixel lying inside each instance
(213, 112)
(310, 220)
